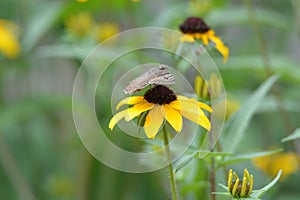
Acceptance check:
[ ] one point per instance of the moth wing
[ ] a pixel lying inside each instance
(166, 79)
(157, 75)
(136, 84)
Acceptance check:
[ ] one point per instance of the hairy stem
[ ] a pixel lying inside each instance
(170, 166)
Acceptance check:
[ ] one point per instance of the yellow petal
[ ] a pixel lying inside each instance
(235, 186)
(187, 38)
(130, 101)
(153, 121)
(201, 88)
(137, 109)
(210, 33)
(173, 117)
(181, 97)
(203, 37)
(205, 106)
(116, 119)
(176, 105)
(190, 110)
(229, 179)
(244, 183)
(215, 85)
(251, 184)
(191, 105)
(224, 50)
(201, 120)
(198, 85)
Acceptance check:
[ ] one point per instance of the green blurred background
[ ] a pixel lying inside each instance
(41, 155)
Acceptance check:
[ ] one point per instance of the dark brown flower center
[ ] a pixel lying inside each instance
(194, 25)
(160, 95)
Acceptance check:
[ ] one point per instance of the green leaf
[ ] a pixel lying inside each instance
(239, 16)
(223, 186)
(222, 193)
(235, 127)
(270, 105)
(281, 64)
(294, 136)
(45, 16)
(201, 154)
(247, 156)
(183, 161)
(64, 51)
(259, 193)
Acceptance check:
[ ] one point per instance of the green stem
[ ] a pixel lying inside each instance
(170, 166)
(212, 179)
(225, 170)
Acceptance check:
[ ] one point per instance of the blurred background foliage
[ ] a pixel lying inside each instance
(42, 44)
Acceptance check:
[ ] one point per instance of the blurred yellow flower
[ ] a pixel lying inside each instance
(80, 24)
(9, 44)
(231, 106)
(271, 164)
(83, 24)
(205, 89)
(81, 1)
(195, 28)
(105, 30)
(60, 186)
(212, 89)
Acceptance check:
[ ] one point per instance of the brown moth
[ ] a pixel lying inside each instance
(156, 75)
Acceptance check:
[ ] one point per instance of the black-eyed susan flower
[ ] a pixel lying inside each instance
(81, 1)
(9, 44)
(288, 162)
(80, 24)
(160, 103)
(237, 187)
(195, 28)
(105, 30)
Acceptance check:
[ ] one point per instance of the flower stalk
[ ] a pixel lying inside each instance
(170, 166)
(212, 179)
